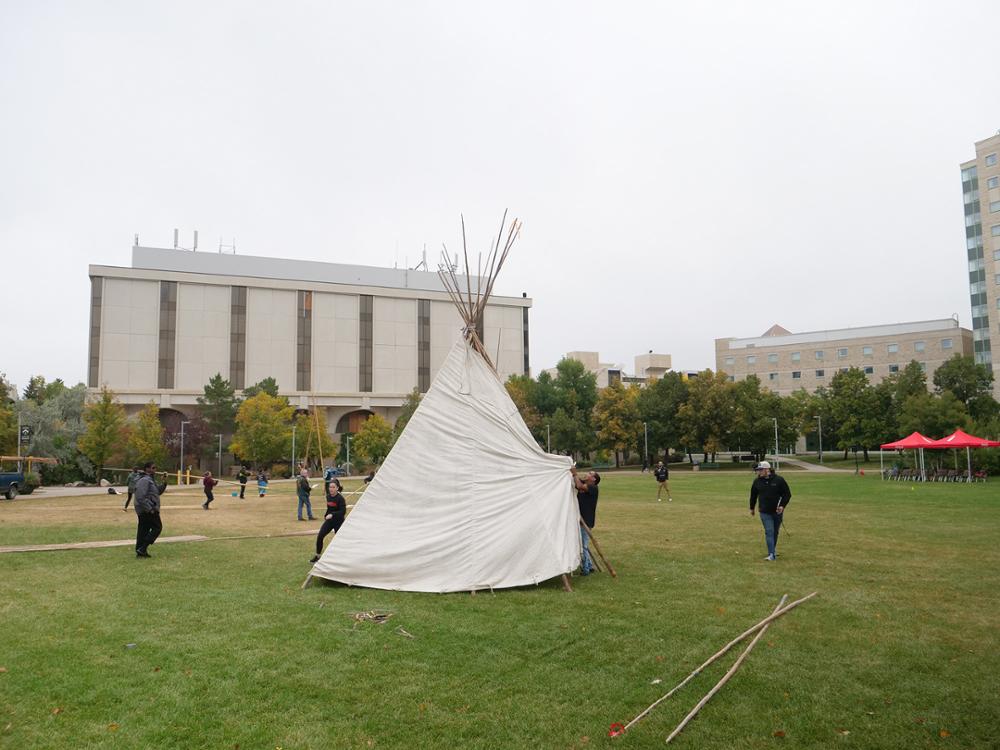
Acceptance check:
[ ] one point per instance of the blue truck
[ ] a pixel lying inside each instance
(10, 483)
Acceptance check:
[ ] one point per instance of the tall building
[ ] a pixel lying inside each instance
(981, 200)
(647, 366)
(786, 362)
(353, 340)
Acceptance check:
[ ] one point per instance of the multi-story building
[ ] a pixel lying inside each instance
(981, 199)
(353, 340)
(646, 366)
(786, 362)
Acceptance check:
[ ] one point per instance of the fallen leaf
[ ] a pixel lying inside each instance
(3, 669)
(920, 720)
(843, 732)
(721, 610)
(113, 727)
(422, 707)
(779, 733)
(584, 740)
(787, 695)
(659, 658)
(156, 669)
(57, 710)
(944, 733)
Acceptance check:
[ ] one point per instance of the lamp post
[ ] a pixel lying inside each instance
(819, 418)
(777, 463)
(220, 455)
(548, 438)
(180, 470)
(348, 455)
(293, 449)
(645, 443)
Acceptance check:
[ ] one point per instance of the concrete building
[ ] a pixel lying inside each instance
(647, 366)
(981, 200)
(786, 361)
(354, 340)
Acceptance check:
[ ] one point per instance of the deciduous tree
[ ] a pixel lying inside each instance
(373, 439)
(145, 438)
(263, 429)
(616, 417)
(104, 421)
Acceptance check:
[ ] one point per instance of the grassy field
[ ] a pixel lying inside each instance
(213, 644)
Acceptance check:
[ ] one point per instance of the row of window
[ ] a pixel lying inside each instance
(869, 370)
(844, 352)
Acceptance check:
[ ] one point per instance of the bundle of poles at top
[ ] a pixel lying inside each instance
(471, 306)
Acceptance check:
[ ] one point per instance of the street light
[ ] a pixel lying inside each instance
(348, 455)
(548, 439)
(220, 455)
(645, 444)
(777, 463)
(181, 469)
(819, 417)
(293, 448)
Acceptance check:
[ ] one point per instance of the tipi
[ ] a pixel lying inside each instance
(466, 499)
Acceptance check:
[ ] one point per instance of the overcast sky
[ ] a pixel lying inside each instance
(684, 171)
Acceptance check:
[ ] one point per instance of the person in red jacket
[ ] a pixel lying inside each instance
(208, 483)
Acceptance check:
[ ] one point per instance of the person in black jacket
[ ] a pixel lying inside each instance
(586, 497)
(773, 493)
(336, 510)
(243, 476)
(302, 489)
(662, 474)
(147, 510)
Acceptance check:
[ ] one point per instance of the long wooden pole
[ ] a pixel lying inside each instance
(725, 678)
(721, 652)
(597, 548)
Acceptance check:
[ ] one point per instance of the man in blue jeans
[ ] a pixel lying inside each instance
(586, 497)
(774, 495)
(302, 489)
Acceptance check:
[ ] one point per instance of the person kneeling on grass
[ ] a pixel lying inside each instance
(336, 510)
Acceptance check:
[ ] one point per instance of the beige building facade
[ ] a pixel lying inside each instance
(786, 362)
(981, 203)
(647, 366)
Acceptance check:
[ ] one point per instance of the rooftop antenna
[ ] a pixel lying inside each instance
(423, 261)
(227, 247)
(136, 243)
(177, 244)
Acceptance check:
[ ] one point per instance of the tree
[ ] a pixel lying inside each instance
(310, 442)
(963, 377)
(56, 427)
(753, 419)
(35, 389)
(8, 428)
(409, 406)
(616, 417)
(658, 405)
(373, 440)
(707, 416)
(933, 415)
(268, 385)
(855, 414)
(523, 392)
(145, 439)
(104, 420)
(263, 429)
(219, 405)
(575, 392)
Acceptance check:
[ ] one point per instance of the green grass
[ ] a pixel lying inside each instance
(899, 646)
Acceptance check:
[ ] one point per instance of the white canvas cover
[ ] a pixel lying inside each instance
(465, 500)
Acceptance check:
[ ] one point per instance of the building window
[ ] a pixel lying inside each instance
(238, 337)
(752, 359)
(772, 376)
(918, 346)
(819, 354)
(303, 349)
(991, 160)
(893, 369)
(842, 353)
(820, 373)
(992, 182)
(96, 297)
(732, 379)
(923, 366)
(996, 255)
(968, 174)
(730, 361)
(867, 351)
(946, 343)
(168, 334)
(892, 348)
(424, 344)
(796, 356)
(365, 342)
(994, 206)
(772, 358)
(796, 374)
(869, 370)
(995, 230)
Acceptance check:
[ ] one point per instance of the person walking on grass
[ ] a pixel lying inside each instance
(586, 497)
(302, 489)
(262, 482)
(662, 474)
(242, 477)
(147, 510)
(336, 510)
(133, 477)
(208, 483)
(773, 493)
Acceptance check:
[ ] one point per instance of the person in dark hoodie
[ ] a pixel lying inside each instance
(773, 493)
(147, 510)
(586, 497)
(133, 478)
(336, 510)
(208, 483)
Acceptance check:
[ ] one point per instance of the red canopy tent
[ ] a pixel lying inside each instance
(915, 441)
(962, 439)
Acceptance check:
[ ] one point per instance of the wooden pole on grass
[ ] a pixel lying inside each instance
(725, 678)
(597, 548)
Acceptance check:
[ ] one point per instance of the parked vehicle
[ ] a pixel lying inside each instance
(10, 482)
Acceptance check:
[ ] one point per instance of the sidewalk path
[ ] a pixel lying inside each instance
(807, 466)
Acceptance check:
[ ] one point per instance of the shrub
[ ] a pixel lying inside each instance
(31, 482)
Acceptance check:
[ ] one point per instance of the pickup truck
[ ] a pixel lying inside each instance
(10, 482)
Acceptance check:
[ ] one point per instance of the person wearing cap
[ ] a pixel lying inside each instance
(773, 493)
(662, 474)
(586, 498)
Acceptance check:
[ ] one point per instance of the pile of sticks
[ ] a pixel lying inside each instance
(760, 628)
